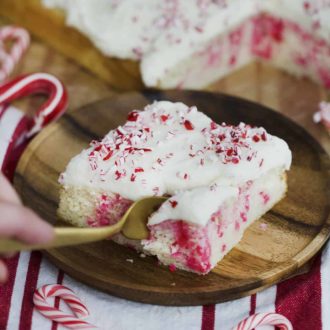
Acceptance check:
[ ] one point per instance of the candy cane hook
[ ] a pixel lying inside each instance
(15, 128)
(21, 41)
(37, 83)
(260, 319)
(42, 304)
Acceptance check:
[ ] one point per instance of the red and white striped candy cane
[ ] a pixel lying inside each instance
(15, 128)
(21, 40)
(261, 319)
(42, 304)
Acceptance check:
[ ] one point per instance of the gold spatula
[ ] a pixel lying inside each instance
(133, 225)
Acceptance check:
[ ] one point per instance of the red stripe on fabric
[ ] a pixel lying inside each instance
(253, 304)
(208, 317)
(57, 299)
(3, 109)
(30, 286)
(299, 299)
(6, 291)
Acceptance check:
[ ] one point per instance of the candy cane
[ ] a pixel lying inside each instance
(15, 128)
(42, 304)
(21, 40)
(260, 319)
(37, 83)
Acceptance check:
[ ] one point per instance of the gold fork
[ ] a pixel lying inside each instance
(133, 225)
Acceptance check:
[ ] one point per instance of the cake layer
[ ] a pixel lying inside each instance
(85, 207)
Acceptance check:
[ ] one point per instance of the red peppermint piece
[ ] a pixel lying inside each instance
(256, 138)
(222, 137)
(108, 155)
(164, 118)
(188, 125)
(230, 152)
(307, 5)
(133, 116)
(98, 148)
(133, 177)
(173, 203)
(118, 175)
(213, 125)
(139, 169)
(119, 132)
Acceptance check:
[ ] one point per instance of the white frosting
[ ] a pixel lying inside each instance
(196, 205)
(162, 33)
(172, 147)
(131, 28)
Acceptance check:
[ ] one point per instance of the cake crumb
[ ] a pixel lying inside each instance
(142, 255)
(130, 260)
(173, 284)
(263, 226)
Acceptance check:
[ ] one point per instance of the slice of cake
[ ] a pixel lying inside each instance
(220, 178)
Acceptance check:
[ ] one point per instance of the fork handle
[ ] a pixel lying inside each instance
(64, 236)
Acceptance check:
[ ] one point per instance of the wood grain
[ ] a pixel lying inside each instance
(296, 228)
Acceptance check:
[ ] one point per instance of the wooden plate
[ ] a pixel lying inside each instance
(296, 228)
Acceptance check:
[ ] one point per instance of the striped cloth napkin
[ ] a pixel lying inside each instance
(304, 300)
